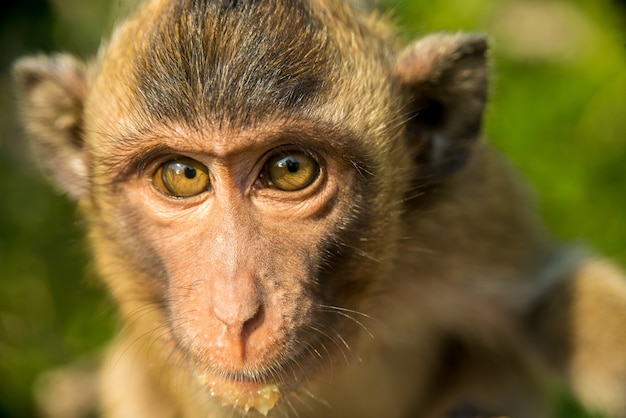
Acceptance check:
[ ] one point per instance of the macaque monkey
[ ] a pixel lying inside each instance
(297, 217)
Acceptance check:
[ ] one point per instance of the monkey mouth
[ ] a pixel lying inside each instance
(259, 389)
(242, 390)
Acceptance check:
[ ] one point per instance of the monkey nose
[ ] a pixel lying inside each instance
(240, 319)
(236, 345)
(252, 323)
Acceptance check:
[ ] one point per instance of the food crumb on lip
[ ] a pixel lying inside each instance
(243, 395)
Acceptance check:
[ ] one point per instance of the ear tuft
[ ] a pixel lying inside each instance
(445, 77)
(52, 91)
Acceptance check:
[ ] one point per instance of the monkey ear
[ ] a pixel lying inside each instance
(445, 77)
(51, 94)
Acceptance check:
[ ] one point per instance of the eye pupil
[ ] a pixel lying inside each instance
(190, 172)
(292, 166)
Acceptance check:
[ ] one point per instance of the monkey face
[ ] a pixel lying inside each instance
(239, 236)
(240, 289)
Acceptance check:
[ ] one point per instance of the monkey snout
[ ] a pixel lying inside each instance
(242, 339)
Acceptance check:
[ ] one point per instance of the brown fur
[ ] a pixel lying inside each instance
(410, 279)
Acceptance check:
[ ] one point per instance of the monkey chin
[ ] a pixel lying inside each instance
(241, 393)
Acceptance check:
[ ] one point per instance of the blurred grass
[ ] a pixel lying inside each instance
(50, 309)
(558, 109)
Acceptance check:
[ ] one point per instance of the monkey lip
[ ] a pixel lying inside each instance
(242, 391)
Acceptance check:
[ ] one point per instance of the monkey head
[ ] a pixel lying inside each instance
(243, 168)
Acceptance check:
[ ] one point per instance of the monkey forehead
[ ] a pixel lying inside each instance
(241, 62)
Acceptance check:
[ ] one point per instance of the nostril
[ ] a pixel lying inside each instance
(250, 325)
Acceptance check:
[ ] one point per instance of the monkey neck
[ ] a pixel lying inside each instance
(484, 212)
(475, 233)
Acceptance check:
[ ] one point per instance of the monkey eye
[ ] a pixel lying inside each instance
(181, 177)
(290, 171)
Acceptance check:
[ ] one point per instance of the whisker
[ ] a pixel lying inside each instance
(356, 321)
(317, 399)
(290, 405)
(339, 347)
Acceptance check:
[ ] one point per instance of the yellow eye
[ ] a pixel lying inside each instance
(182, 177)
(291, 171)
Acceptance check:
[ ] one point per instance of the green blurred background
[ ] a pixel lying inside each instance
(558, 109)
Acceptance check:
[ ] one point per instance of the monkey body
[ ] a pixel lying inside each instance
(297, 217)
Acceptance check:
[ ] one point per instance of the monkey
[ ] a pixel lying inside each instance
(297, 215)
